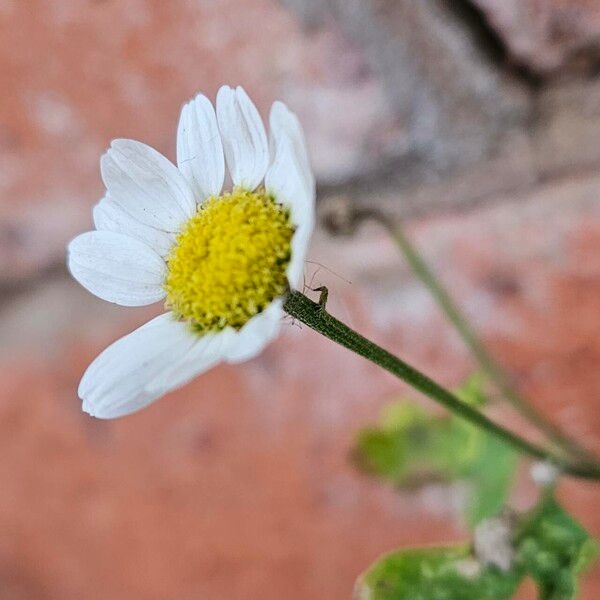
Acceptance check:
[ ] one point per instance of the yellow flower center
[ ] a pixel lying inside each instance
(229, 261)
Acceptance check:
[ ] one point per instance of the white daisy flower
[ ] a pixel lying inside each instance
(221, 260)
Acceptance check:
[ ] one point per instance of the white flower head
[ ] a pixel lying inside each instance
(221, 260)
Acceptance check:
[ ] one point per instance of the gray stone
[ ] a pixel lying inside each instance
(547, 36)
(453, 105)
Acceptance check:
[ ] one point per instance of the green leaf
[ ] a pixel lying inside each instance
(401, 448)
(490, 468)
(472, 391)
(410, 446)
(434, 574)
(555, 549)
(549, 545)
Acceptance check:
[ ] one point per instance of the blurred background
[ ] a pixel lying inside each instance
(476, 121)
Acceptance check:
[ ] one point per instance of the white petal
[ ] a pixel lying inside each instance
(146, 185)
(286, 181)
(109, 216)
(256, 333)
(199, 149)
(115, 383)
(117, 268)
(300, 243)
(206, 353)
(244, 137)
(283, 122)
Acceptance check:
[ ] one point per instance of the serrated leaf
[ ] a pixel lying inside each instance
(434, 574)
(555, 549)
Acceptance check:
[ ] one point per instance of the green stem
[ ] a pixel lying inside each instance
(316, 317)
(487, 364)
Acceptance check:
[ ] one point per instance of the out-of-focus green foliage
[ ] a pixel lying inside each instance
(550, 546)
(433, 574)
(554, 549)
(410, 446)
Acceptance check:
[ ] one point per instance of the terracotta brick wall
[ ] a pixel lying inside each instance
(238, 485)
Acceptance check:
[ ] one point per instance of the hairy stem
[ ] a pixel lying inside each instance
(316, 317)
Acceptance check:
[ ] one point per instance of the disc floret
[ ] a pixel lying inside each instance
(229, 262)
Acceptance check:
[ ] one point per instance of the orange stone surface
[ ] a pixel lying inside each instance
(239, 485)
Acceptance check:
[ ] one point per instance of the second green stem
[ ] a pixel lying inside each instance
(487, 364)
